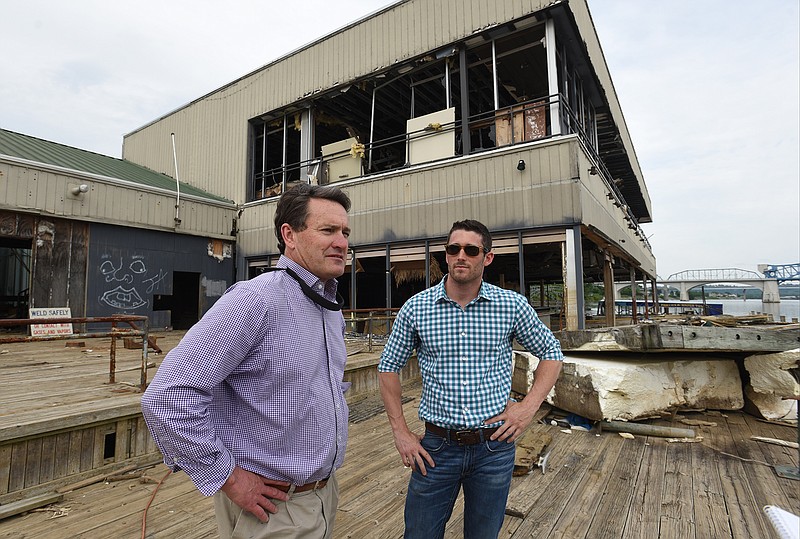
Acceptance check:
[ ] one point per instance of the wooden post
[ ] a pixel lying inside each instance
(634, 314)
(608, 286)
(112, 362)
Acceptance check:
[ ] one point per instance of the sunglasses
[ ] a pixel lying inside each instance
(470, 250)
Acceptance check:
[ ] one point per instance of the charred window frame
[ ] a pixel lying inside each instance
(276, 150)
(508, 86)
(578, 112)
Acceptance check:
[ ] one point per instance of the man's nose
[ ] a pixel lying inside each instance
(341, 241)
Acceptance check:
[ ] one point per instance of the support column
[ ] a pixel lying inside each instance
(521, 261)
(388, 277)
(609, 292)
(464, 83)
(655, 295)
(306, 145)
(771, 299)
(552, 76)
(684, 291)
(634, 313)
(572, 266)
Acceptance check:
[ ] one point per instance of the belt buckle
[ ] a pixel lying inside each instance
(464, 437)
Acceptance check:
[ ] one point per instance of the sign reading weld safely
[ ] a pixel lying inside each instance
(40, 330)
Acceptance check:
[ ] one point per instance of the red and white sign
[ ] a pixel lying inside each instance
(39, 330)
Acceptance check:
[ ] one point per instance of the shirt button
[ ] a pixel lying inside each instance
(466, 409)
(464, 358)
(464, 382)
(463, 333)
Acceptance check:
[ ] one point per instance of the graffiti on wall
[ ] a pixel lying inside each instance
(127, 281)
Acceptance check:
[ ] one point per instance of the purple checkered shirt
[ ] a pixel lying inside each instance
(255, 383)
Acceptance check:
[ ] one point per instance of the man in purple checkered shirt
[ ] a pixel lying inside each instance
(250, 404)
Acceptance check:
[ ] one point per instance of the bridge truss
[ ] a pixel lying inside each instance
(715, 275)
(782, 272)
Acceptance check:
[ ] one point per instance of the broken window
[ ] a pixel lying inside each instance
(276, 154)
(498, 80)
(578, 114)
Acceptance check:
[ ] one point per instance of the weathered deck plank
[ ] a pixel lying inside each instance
(644, 513)
(611, 515)
(710, 516)
(677, 509)
(595, 486)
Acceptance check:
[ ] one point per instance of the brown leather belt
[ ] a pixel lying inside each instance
(316, 485)
(461, 436)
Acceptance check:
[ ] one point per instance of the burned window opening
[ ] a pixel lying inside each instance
(276, 154)
(362, 128)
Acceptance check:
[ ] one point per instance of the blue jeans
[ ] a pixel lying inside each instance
(483, 469)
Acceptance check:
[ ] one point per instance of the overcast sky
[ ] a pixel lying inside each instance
(709, 90)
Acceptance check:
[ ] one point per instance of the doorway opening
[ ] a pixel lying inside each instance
(184, 303)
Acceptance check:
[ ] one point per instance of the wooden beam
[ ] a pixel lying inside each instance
(15, 508)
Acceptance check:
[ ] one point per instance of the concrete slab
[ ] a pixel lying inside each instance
(628, 386)
(774, 383)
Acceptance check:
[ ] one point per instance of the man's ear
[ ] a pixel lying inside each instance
(488, 259)
(288, 235)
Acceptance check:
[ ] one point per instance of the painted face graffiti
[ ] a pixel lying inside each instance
(121, 298)
(126, 295)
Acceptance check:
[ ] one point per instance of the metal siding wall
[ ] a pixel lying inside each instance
(161, 254)
(47, 192)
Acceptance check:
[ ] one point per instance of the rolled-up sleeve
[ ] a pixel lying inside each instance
(402, 342)
(537, 338)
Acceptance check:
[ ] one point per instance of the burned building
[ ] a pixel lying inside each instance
(425, 113)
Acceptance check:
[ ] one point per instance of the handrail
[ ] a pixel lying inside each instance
(115, 334)
(370, 319)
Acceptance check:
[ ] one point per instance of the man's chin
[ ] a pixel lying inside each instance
(336, 270)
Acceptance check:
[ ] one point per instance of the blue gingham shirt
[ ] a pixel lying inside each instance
(465, 355)
(255, 384)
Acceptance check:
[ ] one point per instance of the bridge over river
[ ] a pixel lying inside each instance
(767, 281)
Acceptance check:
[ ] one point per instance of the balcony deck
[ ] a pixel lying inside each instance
(594, 486)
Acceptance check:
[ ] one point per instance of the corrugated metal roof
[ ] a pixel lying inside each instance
(43, 151)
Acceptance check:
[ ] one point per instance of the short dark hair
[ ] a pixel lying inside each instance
(471, 225)
(293, 206)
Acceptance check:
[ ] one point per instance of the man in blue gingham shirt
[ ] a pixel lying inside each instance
(463, 330)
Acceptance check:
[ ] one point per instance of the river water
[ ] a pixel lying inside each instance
(790, 308)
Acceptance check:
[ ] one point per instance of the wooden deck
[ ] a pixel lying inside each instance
(595, 486)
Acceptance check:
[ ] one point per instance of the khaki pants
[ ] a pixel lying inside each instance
(308, 515)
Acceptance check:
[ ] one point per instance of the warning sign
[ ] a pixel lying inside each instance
(39, 330)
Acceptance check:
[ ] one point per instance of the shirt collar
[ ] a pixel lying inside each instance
(440, 294)
(327, 290)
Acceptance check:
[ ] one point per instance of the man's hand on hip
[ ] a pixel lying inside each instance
(516, 418)
(254, 493)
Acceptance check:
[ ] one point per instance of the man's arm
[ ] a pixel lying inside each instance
(518, 415)
(177, 401)
(407, 442)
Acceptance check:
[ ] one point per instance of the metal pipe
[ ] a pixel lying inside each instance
(646, 429)
(177, 183)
